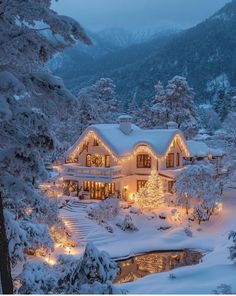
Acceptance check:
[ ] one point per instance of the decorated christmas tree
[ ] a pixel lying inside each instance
(151, 195)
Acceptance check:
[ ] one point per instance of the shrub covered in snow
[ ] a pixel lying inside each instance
(127, 224)
(163, 226)
(135, 211)
(104, 210)
(223, 289)
(188, 231)
(199, 214)
(93, 273)
(198, 183)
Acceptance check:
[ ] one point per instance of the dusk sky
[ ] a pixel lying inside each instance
(138, 14)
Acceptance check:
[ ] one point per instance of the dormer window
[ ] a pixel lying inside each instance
(95, 142)
(177, 159)
(170, 160)
(144, 161)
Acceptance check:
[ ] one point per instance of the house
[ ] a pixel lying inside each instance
(117, 159)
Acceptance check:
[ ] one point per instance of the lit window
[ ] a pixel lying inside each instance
(95, 142)
(170, 160)
(141, 184)
(88, 160)
(143, 161)
(170, 186)
(107, 161)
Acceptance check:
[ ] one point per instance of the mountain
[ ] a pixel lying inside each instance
(104, 42)
(204, 54)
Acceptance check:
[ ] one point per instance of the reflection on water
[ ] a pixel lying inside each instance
(155, 262)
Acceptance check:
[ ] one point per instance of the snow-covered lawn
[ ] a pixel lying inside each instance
(211, 236)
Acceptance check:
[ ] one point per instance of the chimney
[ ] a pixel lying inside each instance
(172, 125)
(125, 124)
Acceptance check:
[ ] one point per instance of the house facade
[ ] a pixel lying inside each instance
(117, 159)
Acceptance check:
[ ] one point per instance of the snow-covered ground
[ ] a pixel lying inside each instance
(212, 237)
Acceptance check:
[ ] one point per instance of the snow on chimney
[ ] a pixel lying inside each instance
(125, 124)
(172, 125)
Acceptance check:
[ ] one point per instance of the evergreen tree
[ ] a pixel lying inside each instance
(100, 102)
(151, 195)
(160, 93)
(26, 139)
(221, 103)
(175, 103)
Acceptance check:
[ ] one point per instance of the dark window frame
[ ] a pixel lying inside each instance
(144, 161)
(141, 184)
(107, 161)
(170, 160)
(178, 159)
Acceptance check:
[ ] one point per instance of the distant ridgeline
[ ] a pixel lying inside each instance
(203, 54)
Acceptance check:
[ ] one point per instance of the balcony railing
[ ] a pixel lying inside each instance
(101, 173)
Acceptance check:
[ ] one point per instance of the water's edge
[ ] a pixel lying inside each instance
(134, 267)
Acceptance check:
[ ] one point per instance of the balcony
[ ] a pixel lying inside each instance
(91, 173)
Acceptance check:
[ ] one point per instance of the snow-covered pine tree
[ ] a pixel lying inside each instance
(144, 116)
(175, 103)
(25, 135)
(88, 113)
(209, 118)
(99, 102)
(221, 103)
(160, 93)
(229, 128)
(151, 195)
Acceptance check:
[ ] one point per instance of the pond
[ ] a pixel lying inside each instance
(154, 262)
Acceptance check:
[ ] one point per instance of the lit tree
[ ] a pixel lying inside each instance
(151, 195)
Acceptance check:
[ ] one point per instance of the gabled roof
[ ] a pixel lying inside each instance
(122, 144)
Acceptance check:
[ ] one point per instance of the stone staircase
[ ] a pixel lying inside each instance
(82, 229)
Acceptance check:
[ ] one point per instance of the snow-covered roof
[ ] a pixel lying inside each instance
(172, 174)
(200, 149)
(122, 144)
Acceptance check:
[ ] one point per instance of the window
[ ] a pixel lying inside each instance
(107, 161)
(95, 142)
(177, 159)
(170, 160)
(141, 184)
(143, 161)
(170, 186)
(88, 160)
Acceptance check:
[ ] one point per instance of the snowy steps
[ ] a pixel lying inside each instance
(82, 229)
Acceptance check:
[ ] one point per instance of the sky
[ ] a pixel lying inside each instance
(138, 15)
